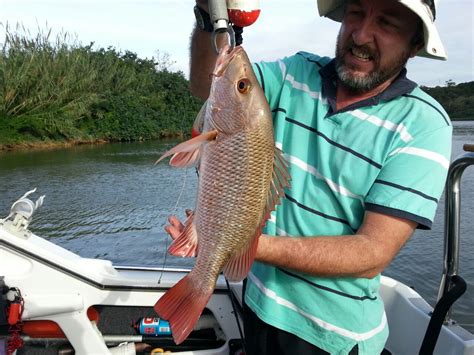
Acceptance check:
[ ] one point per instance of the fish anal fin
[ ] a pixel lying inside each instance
(186, 244)
(190, 145)
(238, 265)
(182, 306)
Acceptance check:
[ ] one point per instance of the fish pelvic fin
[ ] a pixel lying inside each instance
(239, 264)
(185, 153)
(186, 244)
(182, 306)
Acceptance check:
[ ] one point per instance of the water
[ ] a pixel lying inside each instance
(104, 201)
(420, 263)
(110, 201)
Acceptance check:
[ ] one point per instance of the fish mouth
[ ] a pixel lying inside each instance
(226, 55)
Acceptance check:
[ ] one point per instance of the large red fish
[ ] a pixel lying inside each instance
(241, 179)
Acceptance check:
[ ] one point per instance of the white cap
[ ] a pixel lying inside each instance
(434, 49)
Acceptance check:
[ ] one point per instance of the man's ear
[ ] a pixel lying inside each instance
(415, 49)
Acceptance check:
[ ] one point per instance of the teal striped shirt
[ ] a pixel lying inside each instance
(387, 154)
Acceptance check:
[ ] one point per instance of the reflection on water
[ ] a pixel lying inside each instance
(110, 201)
(463, 128)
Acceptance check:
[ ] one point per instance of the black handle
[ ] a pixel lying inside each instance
(439, 314)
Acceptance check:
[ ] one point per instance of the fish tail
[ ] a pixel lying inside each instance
(181, 306)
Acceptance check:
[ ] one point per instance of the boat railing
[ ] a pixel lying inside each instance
(452, 285)
(453, 221)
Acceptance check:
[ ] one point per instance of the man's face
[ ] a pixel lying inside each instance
(374, 43)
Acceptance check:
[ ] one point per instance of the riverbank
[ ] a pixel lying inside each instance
(46, 145)
(6, 148)
(51, 145)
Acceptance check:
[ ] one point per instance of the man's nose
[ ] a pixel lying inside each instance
(364, 33)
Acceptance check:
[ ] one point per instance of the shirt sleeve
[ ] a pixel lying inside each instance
(412, 178)
(271, 77)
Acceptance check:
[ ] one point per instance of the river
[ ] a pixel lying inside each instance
(110, 201)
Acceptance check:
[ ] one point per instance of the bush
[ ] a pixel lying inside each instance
(59, 89)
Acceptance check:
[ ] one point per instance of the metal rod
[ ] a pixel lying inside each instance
(453, 221)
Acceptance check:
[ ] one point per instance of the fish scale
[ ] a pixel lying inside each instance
(212, 222)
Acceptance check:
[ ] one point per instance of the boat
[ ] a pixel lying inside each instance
(57, 302)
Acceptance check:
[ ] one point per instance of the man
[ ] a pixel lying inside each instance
(368, 153)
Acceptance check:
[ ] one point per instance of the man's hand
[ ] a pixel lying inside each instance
(185, 241)
(203, 4)
(175, 227)
(364, 254)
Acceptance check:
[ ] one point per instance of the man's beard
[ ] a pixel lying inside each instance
(363, 83)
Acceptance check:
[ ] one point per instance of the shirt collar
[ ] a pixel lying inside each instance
(400, 86)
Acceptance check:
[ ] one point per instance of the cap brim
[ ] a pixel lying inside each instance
(433, 48)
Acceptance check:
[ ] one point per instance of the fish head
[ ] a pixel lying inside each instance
(236, 101)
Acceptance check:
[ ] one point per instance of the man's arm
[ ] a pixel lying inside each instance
(203, 58)
(365, 254)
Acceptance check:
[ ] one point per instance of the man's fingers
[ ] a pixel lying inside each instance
(175, 227)
(175, 222)
(173, 232)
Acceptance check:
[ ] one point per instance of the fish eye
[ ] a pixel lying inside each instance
(243, 85)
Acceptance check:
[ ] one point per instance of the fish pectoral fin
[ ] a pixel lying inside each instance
(190, 146)
(186, 244)
(238, 266)
(183, 160)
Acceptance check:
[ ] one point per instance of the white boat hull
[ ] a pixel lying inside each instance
(60, 286)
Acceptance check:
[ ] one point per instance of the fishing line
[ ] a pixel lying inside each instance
(174, 210)
(180, 113)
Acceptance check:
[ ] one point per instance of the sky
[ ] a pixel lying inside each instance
(149, 27)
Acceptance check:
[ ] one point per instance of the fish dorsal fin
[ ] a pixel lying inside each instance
(186, 244)
(186, 152)
(280, 180)
(239, 264)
